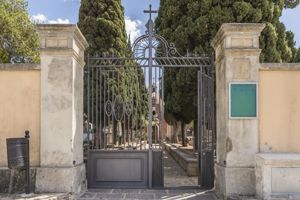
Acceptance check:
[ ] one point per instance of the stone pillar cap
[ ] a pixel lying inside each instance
(60, 30)
(236, 28)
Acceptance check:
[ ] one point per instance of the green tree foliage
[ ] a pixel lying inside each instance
(192, 24)
(18, 39)
(102, 23)
(291, 42)
(297, 56)
(291, 3)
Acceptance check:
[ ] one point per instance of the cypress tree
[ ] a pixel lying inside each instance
(103, 25)
(291, 43)
(192, 24)
(297, 56)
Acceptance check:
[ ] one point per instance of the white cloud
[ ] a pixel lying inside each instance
(42, 19)
(59, 21)
(133, 28)
(39, 18)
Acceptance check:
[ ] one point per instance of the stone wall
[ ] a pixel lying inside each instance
(20, 107)
(47, 100)
(279, 113)
(237, 60)
(15, 180)
(242, 168)
(278, 163)
(277, 176)
(62, 62)
(20, 90)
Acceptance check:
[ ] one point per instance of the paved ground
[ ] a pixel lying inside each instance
(175, 176)
(166, 194)
(35, 197)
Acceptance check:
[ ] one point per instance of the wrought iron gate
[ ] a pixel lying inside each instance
(125, 110)
(206, 127)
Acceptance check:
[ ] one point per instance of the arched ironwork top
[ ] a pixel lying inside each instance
(160, 46)
(152, 50)
(152, 42)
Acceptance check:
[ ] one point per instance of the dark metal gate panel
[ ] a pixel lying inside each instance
(206, 127)
(158, 169)
(118, 169)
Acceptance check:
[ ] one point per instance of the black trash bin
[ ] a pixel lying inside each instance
(17, 152)
(18, 156)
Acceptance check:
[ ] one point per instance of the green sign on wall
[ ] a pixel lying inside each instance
(243, 100)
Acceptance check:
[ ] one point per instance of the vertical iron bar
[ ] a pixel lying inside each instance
(214, 99)
(128, 131)
(155, 134)
(159, 106)
(163, 95)
(124, 120)
(114, 136)
(88, 99)
(150, 62)
(133, 113)
(143, 112)
(141, 109)
(131, 84)
(136, 112)
(101, 104)
(155, 104)
(129, 107)
(96, 110)
(200, 95)
(110, 99)
(92, 107)
(106, 126)
(106, 79)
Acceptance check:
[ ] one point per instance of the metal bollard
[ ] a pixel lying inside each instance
(27, 188)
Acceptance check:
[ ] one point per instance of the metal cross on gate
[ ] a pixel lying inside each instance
(150, 11)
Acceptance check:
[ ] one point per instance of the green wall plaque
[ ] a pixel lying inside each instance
(243, 100)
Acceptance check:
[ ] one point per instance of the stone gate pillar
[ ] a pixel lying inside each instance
(237, 60)
(62, 60)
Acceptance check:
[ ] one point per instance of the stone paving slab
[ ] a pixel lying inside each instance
(36, 197)
(135, 194)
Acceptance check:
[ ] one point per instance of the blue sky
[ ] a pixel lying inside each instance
(66, 11)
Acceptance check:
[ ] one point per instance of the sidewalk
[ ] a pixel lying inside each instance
(133, 194)
(36, 197)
